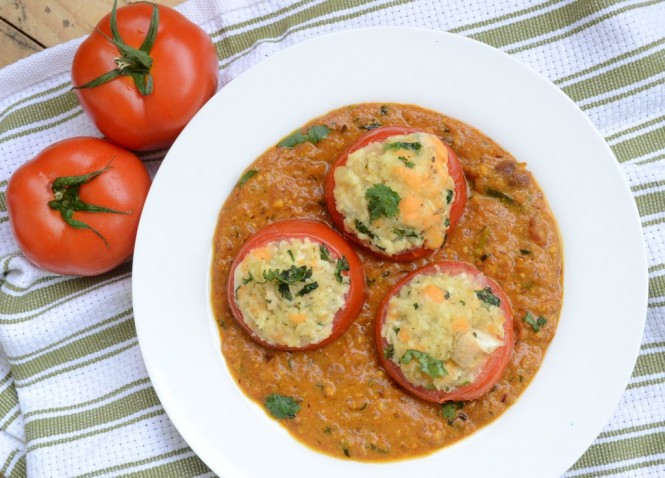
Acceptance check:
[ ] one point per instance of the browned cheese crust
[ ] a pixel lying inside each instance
(350, 408)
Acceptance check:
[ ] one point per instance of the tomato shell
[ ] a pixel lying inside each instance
(41, 233)
(185, 72)
(381, 134)
(496, 363)
(319, 232)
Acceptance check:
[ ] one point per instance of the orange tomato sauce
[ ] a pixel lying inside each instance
(350, 408)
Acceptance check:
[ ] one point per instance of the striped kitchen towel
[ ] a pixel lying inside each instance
(75, 399)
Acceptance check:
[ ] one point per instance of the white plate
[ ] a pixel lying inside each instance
(605, 291)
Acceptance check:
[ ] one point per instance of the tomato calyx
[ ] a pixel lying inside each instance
(133, 62)
(67, 201)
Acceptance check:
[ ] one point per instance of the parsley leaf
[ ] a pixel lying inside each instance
(361, 228)
(290, 253)
(402, 233)
(535, 323)
(449, 196)
(389, 351)
(488, 297)
(407, 163)
(325, 253)
(382, 201)
(246, 177)
(342, 265)
(313, 135)
(281, 406)
(415, 146)
(284, 291)
(307, 289)
(449, 410)
(428, 364)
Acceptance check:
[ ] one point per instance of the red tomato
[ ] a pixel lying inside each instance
(317, 232)
(381, 134)
(183, 75)
(120, 183)
(496, 363)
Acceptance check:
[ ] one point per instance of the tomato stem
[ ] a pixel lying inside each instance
(132, 62)
(67, 202)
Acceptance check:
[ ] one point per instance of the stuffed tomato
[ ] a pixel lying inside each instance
(445, 332)
(397, 192)
(296, 285)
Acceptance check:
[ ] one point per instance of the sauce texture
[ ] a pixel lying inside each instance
(349, 407)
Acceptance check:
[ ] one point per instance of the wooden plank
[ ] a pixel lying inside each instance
(51, 22)
(15, 45)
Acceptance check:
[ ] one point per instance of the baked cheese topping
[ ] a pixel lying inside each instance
(289, 291)
(441, 329)
(396, 194)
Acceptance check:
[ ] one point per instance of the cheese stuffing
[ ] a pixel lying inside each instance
(396, 194)
(289, 291)
(441, 328)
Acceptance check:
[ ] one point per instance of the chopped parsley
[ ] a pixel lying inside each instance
(246, 177)
(389, 351)
(325, 253)
(342, 265)
(307, 289)
(488, 297)
(449, 410)
(290, 253)
(361, 228)
(428, 364)
(281, 406)
(284, 291)
(402, 233)
(384, 110)
(313, 135)
(382, 201)
(525, 252)
(536, 323)
(449, 196)
(415, 146)
(407, 163)
(415, 306)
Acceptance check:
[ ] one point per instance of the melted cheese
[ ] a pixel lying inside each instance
(419, 176)
(443, 316)
(306, 318)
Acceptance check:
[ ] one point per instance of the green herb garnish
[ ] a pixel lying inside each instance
(536, 323)
(290, 253)
(342, 265)
(361, 228)
(281, 406)
(415, 146)
(488, 297)
(402, 233)
(246, 177)
(449, 196)
(449, 410)
(382, 201)
(407, 163)
(325, 253)
(389, 351)
(428, 364)
(370, 126)
(307, 289)
(313, 135)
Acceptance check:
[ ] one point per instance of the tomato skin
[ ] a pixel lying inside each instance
(41, 233)
(496, 362)
(185, 73)
(316, 231)
(381, 134)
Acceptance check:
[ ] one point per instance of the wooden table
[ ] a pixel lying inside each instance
(29, 26)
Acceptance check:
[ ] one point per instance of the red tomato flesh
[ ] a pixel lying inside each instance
(379, 135)
(317, 232)
(495, 364)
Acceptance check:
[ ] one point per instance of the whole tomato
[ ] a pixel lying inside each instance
(143, 73)
(75, 207)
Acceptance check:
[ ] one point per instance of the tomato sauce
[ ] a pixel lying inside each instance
(349, 407)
